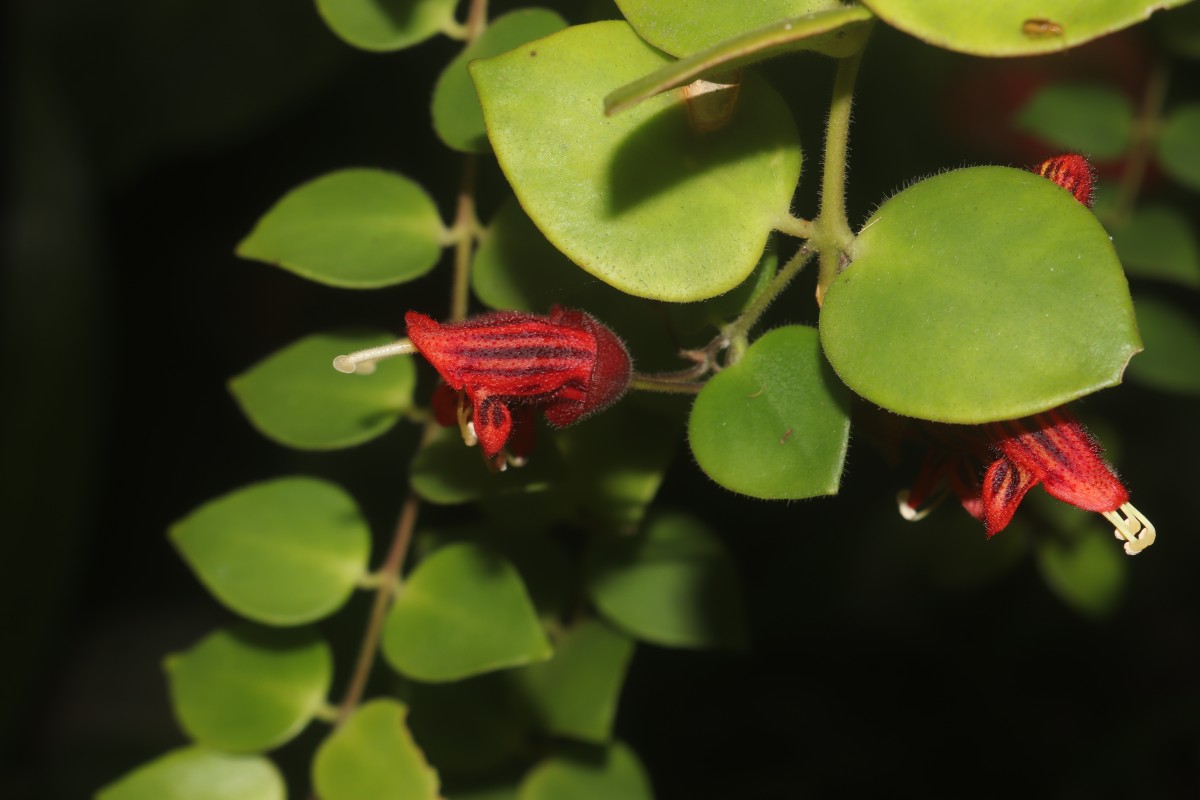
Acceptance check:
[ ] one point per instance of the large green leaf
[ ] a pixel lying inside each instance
(1159, 242)
(1013, 27)
(1097, 120)
(1172, 358)
(247, 688)
(386, 24)
(296, 398)
(776, 424)
(639, 200)
(981, 294)
(373, 756)
(1179, 145)
(613, 773)
(683, 28)
(672, 584)
(283, 552)
(357, 229)
(463, 611)
(197, 773)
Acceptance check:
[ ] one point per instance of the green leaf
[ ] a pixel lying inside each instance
(1172, 358)
(383, 25)
(447, 472)
(672, 584)
(499, 792)
(463, 611)
(283, 552)
(1179, 31)
(1097, 120)
(470, 726)
(1087, 571)
(1014, 27)
(457, 117)
(1179, 145)
(980, 294)
(1158, 242)
(357, 229)
(776, 424)
(604, 190)
(249, 689)
(297, 398)
(581, 775)
(197, 773)
(373, 756)
(575, 693)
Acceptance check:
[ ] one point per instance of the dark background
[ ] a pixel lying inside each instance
(144, 140)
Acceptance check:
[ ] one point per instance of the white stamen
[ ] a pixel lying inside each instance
(1133, 527)
(363, 361)
(469, 436)
(913, 514)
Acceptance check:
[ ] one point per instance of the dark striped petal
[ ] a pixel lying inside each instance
(1004, 485)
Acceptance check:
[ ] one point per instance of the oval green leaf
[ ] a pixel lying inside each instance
(457, 117)
(282, 552)
(1013, 27)
(357, 229)
(1097, 120)
(776, 424)
(1159, 242)
(249, 689)
(672, 584)
(383, 25)
(197, 773)
(615, 773)
(683, 28)
(639, 200)
(373, 755)
(1179, 145)
(981, 294)
(463, 611)
(1172, 358)
(296, 397)
(1087, 571)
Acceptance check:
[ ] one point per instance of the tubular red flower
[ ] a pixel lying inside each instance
(1072, 172)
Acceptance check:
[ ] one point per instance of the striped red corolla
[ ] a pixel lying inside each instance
(1072, 172)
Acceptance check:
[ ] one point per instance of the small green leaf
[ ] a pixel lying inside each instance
(248, 688)
(373, 756)
(1179, 145)
(575, 693)
(197, 773)
(672, 584)
(1087, 571)
(980, 294)
(776, 424)
(1097, 120)
(470, 726)
(448, 472)
(581, 775)
(1158, 242)
(463, 611)
(357, 229)
(1172, 358)
(297, 398)
(457, 117)
(604, 190)
(282, 552)
(383, 25)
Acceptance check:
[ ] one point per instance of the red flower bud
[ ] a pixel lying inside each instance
(1072, 172)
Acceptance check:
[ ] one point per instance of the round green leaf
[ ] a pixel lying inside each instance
(1087, 571)
(457, 117)
(1172, 358)
(776, 424)
(197, 773)
(672, 584)
(283, 552)
(357, 229)
(1097, 120)
(1013, 27)
(463, 611)
(249, 689)
(298, 399)
(980, 294)
(386, 24)
(373, 756)
(638, 200)
(616, 773)
(1159, 242)
(1179, 145)
(683, 28)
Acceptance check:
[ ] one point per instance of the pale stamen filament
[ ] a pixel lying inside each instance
(1132, 526)
(912, 514)
(363, 361)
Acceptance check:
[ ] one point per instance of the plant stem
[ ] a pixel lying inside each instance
(833, 232)
(740, 327)
(670, 383)
(465, 226)
(795, 226)
(1145, 132)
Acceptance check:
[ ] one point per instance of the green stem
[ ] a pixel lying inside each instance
(740, 327)
(833, 232)
(795, 226)
(1145, 133)
(670, 383)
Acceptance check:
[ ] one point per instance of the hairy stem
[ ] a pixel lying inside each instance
(669, 383)
(736, 331)
(1145, 132)
(833, 232)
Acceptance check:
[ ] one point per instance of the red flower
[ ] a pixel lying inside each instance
(1072, 172)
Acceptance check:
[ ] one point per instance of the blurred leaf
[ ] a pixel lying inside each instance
(501, 792)
(1179, 30)
(1095, 120)
(980, 294)
(608, 774)
(447, 472)
(462, 612)
(355, 229)
(672, 584)
(1179, 145)
(1087, 571)
(282, 552)
(603, 190)
(249, 689)
(776, 424)
(1172, 358)
(297, 398)
(457, 117)
(387, 24)
(373, 756)
(1158, 242)
(196, 773)
(472, 726)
